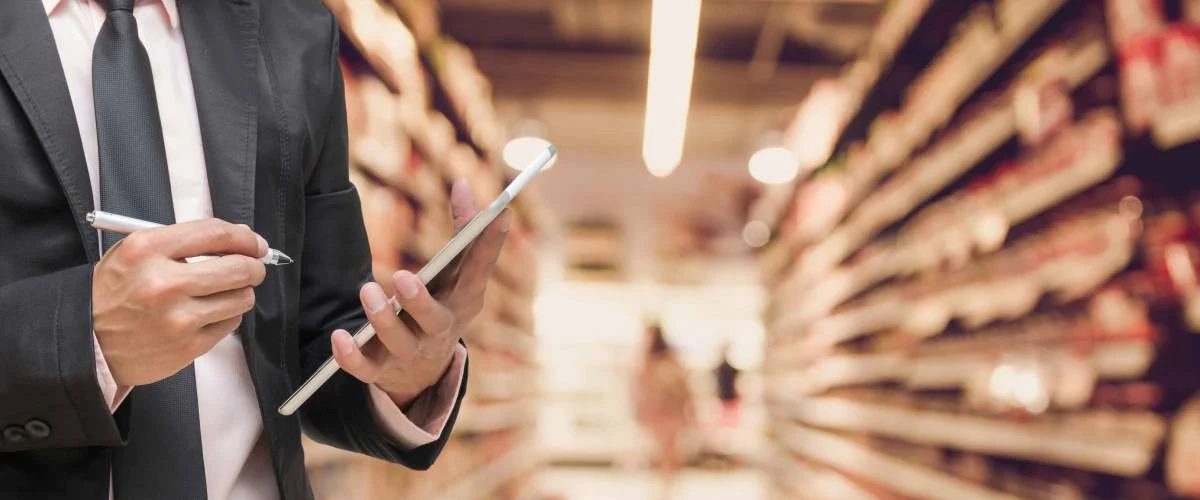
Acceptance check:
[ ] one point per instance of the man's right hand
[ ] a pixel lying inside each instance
(153, 313)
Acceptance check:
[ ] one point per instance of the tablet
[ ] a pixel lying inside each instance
(457, 244)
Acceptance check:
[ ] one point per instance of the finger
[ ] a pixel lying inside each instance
(399, 340)
(433, 317)
(216, 331)
(230, 272)
(462, 203)
(482, 256)
(351, 358)
(225, 305)
(198, 237)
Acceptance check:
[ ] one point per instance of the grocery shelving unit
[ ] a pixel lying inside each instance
(421, 117)
(998, 308)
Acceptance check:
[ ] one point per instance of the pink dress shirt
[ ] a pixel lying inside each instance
(237, 463)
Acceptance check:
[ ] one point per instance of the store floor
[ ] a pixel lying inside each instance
(588, 483)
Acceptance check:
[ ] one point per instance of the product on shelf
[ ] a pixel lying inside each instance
(421, 16)
(384, 40)
(1183, 451)
(1132, 19)
(469, 93)
(1160, 69)
(1043, 108)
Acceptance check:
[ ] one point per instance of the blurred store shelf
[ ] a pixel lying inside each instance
(491, 417)
(1111, 442)
(493, 476)
(803, 479)
(982, 310)
(933, 97)
(895, 474)
(421, 116)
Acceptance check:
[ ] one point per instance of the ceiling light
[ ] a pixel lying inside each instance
(674, 27)
(774, 165)
(521, 151)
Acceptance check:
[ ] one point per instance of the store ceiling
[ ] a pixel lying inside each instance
(790, 31)
(580, 66)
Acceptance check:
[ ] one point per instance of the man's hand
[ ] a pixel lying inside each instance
(413, 355)
(153, 313)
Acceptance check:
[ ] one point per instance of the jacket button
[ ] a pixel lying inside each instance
(15, 434)
(37, 429)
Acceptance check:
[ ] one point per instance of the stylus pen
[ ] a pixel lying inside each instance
(114, 223)
(427, 273)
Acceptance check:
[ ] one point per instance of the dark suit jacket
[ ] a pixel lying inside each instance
(272, 116)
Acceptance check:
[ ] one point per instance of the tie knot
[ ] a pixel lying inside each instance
(111, 5)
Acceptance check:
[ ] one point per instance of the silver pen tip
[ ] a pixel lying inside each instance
(90, 217)
(282, 259)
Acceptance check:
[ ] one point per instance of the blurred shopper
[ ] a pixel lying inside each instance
(727, 392)
(664, 403)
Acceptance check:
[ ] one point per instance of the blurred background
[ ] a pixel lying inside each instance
(829, 249)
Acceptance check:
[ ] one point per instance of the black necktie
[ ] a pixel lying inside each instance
(163, 458)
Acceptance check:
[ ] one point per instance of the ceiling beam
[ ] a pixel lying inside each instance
(771, 37)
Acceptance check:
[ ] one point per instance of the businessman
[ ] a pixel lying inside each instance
(150, 367)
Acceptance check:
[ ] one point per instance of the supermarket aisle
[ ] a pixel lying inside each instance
(965, 266)
(607, 484)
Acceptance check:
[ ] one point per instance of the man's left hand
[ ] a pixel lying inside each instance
(414, 355)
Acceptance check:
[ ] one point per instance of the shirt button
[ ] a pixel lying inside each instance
(15, 434)
(37, 429)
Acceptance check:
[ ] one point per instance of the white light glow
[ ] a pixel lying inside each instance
(1029, 391)
(674, 27)
(1002, 381)
(519, 152)
(774, 165)
(990, 231)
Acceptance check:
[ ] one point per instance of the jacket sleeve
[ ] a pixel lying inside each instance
(335, 262)
(49, 393)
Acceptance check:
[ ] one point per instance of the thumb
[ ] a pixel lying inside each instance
(462, 203)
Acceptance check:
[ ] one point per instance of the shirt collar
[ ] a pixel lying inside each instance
(51, 5)
(169, 6)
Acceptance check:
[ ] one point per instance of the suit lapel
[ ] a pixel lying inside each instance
(222, 47)
(30, 64)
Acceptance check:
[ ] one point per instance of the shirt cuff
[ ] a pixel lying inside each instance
(114, 394)
(426, 417)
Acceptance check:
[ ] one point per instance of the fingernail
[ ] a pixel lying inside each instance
(373, 297)
(461, 198)
(407, 285)
(262, 245)
(460, 184)
(339, 347)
